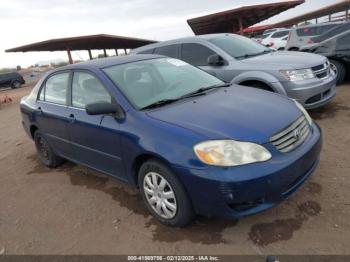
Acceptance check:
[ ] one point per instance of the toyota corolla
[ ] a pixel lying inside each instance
(191, 143)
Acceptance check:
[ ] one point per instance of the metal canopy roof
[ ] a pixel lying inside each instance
(88, 42)
(334, 8)
(234, 20)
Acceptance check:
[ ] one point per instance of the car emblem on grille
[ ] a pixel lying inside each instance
(296, 133)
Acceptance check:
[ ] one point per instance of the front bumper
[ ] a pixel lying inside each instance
(245, 190)
(312, 93)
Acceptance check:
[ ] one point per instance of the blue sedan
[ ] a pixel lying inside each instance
(191, 143)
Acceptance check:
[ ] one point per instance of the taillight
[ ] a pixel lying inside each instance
(271, 44)
(310, 41)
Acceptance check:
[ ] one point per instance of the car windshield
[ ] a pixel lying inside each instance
(239, 47)
(152, 81)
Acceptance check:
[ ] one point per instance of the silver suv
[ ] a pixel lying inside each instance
(237, 59)
(300, 36)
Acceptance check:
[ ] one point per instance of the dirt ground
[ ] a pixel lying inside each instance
(73, 210)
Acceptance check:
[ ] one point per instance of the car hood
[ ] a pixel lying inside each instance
(240, 113)
(287, 60)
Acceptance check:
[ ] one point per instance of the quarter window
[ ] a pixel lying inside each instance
(87, 89)
(196, 54)
(55, 89)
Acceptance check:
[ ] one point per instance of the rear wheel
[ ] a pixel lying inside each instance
(45, 152)
(293, 49)
(339, 69)
(163, 194)
(16, 84)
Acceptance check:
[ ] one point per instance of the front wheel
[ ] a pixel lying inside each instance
(163, 194)
(339, 69)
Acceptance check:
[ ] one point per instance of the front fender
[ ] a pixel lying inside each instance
(263, 77)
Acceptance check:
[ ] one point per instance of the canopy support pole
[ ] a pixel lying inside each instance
(240, 26)
(70, 60)
(90, 55)
(105, 52)
(125, 51)
(116, 52)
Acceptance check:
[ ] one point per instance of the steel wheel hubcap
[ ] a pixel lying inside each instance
(160, 195)
(44, 150)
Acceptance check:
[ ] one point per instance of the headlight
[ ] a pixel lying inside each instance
(230, 152)
(297, 75)
(302, 109)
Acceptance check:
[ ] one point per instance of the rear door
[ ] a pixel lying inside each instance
(95, 138)
(52, 110)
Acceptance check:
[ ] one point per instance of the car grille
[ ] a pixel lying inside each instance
(321, 71)
(292, 136)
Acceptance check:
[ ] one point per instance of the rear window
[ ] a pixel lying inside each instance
(264, 36)
(280, 34)
(314, 30)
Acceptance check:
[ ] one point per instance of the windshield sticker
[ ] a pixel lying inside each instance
(176, 62)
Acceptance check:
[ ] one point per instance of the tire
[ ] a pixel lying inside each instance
(15, 84)
(339, 69)
(176, 211)
(293, 49)
(261, 86)
(45, 152)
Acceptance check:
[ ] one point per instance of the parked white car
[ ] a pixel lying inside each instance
(277, 39)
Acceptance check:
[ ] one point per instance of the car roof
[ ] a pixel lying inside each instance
(196, 38)
(108, 61)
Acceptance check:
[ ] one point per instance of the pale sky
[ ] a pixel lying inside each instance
(27, 21)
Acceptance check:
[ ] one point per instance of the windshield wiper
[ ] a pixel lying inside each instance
(160, 103)
(198, 92)
(201, 91)
(253, 54)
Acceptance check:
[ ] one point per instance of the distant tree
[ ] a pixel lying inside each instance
(18, 68)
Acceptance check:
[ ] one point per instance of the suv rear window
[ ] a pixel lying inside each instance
(314, 30)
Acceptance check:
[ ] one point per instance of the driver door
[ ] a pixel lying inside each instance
(95, 138)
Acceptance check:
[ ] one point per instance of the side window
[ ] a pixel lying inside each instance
(55, 89)
(86, 89)
(344, 42)
(148, 51)
(169, 50)
(196, 54)
(280, 34)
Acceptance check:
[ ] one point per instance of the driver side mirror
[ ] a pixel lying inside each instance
(215, 60)
(104, 108)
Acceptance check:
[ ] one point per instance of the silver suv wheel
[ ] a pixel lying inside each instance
(160, 195)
